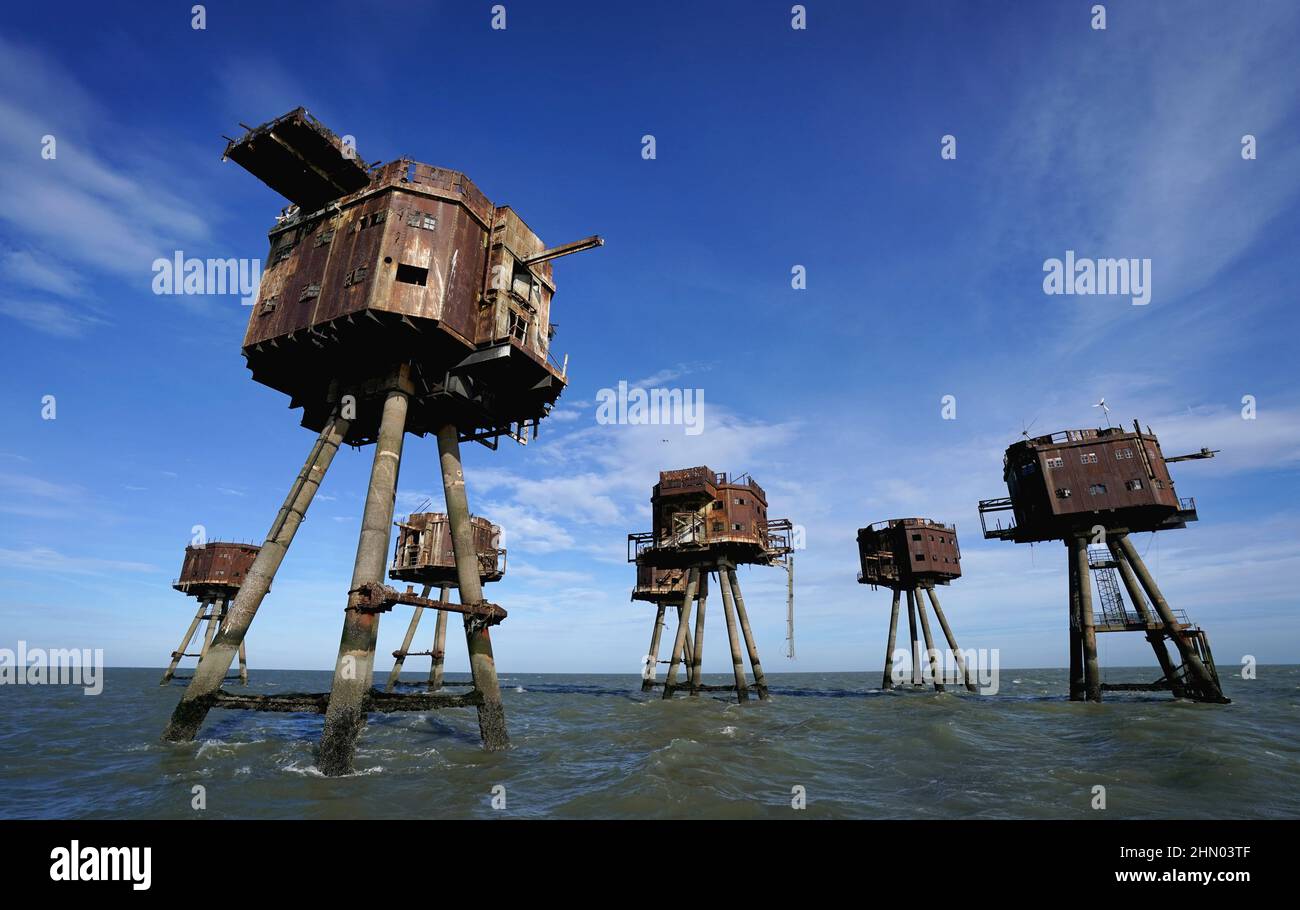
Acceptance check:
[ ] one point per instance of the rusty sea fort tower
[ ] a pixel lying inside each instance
(704, 522)
(1092, 489)
(211, 574)
(913, 555)
(396, 299)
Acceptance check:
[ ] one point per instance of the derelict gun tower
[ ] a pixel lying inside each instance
(425, 554)
(212, 574)
(396, 299)
(913, 555)
(1100, 486)
(705, 522)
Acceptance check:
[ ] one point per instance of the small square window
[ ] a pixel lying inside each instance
(1133, 485)
(1055, 462)
(1088, 458)
(737, 527)
(1062, 492)
(310, 291)
(1096, 489)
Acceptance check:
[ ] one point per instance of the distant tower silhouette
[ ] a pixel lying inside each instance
(212, 574)
(705, 522)
(913, 555)
(424, 554)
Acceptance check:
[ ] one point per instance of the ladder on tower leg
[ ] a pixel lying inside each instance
(1112, 601)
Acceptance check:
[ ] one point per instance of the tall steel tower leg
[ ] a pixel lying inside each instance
(683, 621)
(406, 644)
(652, 659)
(345, 714)
(439, 644)
(888, 681)
(1083, 579)
(482, 665)
(697, 652)
(185, 643)
(737, 662)
(936, 675)
(760, 681)
(195, 703)
(1157, 639)
(952, 640)
(1201, 680)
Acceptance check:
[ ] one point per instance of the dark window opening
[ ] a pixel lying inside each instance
(1097, 489)
(412, 274)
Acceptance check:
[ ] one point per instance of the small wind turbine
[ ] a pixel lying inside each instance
(1102, 404)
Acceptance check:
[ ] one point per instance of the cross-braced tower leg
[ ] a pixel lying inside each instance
(652, 658)
(399, 657)
(888, 681)
(936, 674)
(482, 665)
(185, 643)
(760, 681)
(915, 643)
(1157, 639)
(1201, 683)
(1087, 629)
(952, 640)
(345, 714)
(439, 644)
(211, 672)
(683, 622)
(733, 639)
(697, 651)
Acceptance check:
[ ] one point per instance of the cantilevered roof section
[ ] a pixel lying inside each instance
(300, 159)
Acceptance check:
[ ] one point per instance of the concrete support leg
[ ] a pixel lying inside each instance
(243, 663)
(683, 622)
(439, 644)
(1201, 682)
(213, 620)
(915, 642)
(197, 700)
(1077, 684)
(687, 659)
(888, 681)
(482, 665)
(952, 641)
(400, 658)
(1083, 579)
(345, 715)
(1157, 639)
(652, 658)
(185, 643)
(697, 650)
(760, 681)
(936, 672)
(733, 638)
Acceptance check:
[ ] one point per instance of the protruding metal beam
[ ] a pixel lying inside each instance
(567, 249)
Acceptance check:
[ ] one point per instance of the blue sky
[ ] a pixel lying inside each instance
(775, 148)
